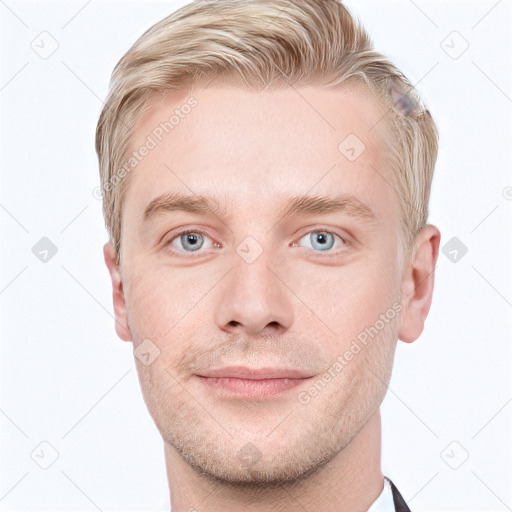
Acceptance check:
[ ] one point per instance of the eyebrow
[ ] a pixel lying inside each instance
(174, 201)
(342, 203)
(295, 205)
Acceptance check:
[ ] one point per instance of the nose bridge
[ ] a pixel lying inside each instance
(252, 297)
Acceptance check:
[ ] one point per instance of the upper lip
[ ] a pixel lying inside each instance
(244, 372)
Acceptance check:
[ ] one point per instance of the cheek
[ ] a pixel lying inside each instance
(162, 300)
(350, 298)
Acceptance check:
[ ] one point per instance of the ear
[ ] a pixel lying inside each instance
(418, 283)
(122, 327)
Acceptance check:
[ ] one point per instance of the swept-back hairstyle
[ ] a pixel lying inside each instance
(263, 43)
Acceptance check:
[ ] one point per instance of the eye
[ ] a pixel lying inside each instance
(193, 240)
(190, 241)
(321, 240)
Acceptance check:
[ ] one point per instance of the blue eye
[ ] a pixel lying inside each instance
(189, 241)
(194, 241)
(322, 240)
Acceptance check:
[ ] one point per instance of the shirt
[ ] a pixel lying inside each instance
(384, 502)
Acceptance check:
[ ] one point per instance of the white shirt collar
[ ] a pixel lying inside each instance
(384, 502)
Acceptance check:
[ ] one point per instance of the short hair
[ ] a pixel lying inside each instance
(263, 43)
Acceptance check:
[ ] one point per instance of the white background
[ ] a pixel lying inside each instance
(68, 380)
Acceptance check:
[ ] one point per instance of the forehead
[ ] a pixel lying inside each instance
(248, 148)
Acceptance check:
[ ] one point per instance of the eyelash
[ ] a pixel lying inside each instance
(327, 253)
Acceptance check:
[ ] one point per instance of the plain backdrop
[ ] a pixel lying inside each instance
(70, 399)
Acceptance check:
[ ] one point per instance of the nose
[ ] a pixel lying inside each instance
(253, 300)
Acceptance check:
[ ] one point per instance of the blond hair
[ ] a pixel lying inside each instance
(263, 43)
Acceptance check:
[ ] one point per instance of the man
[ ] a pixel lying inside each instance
(266, 178)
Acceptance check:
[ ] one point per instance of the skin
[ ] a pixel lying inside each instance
(293, 306)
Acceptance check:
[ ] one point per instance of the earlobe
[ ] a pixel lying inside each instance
(121, 319)
(418, 283)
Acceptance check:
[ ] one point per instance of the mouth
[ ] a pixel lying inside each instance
(253, 383)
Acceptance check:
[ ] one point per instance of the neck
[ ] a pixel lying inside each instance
(350, 482)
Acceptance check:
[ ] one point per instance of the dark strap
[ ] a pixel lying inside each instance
(400, 504)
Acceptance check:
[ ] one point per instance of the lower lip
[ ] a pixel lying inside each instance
(251, 388)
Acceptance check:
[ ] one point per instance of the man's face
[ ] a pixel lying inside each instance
(250, 286)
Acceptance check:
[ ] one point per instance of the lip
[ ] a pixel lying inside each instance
(244, 372)
(253, 383)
